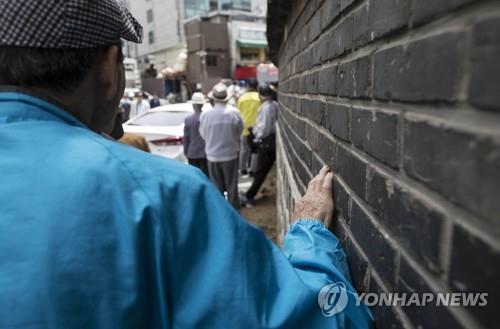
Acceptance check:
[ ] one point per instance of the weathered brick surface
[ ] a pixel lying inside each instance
(401, 98)
(424, 70)
(485, 66)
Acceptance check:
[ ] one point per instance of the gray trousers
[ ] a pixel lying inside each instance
(248, 160)
(224, 175)
(244, 153)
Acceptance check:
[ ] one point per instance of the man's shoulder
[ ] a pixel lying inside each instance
(131, 163)
(233, 111)
(190, 118)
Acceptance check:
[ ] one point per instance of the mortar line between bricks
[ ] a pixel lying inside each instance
(296, 154)
(442, 25)
(301, 12)
(294, 189)
(434, 200)
(341, 17)
(455, 117)
(435, 284)
(445, 247)
(463, 87)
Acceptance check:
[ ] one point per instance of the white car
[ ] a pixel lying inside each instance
(163, 128)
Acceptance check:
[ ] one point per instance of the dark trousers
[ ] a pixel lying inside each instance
(200, 163)
(224, 175)
(266, 162)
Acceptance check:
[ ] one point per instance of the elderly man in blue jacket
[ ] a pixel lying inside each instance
(95, 234)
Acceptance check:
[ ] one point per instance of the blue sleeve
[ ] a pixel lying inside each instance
(226, 274)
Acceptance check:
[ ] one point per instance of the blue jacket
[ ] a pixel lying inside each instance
(94, 234)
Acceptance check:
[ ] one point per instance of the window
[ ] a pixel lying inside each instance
(244, 5)
(212, 60)
(249, 54)
(195, 8)
(151, 37)
(149, 14)
(253, 34)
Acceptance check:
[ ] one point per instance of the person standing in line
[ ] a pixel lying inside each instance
(139, 106)
(221, 129)
(154, 102)
(265, 140)
(248, 105)
(194, 145)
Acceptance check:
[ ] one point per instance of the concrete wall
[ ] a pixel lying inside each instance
(402, 99)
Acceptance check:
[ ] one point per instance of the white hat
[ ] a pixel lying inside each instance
(219, 93)
(198, 98)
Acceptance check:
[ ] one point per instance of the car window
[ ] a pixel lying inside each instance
(161, 119)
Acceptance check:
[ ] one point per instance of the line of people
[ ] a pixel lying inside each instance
(224, 141)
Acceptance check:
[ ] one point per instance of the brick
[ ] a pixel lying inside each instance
(329, 11)
(377, 134)
(426, 10)
(316, 111)
(315, 165)
(339, 40)
(337, 120)
(361, 33)
(484, 88)
(327, 78)
(474, 267)
(341, 200)
(312, 82)
(312, 137)
(416, 225)
(315, 26)
(462, 166)
(429, 316)
(425, 70)
(353, 78)
(345, 80)
(387, 16)
(362, 77)
(378, 250)
(352, 169)
(327, 151)
(309, 59)
(385, 316)
(358, 267)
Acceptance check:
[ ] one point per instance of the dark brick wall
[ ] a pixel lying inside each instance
(402, 99)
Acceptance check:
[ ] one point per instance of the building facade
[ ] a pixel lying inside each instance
(245, 45)
(401, 98)
(163, 32)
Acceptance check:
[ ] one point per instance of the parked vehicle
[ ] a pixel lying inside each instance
(163, 128)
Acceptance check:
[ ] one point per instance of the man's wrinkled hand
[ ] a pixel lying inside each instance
(317, 203)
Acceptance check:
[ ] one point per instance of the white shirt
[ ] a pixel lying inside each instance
(221, 128)
(137, 107)
(266, 120)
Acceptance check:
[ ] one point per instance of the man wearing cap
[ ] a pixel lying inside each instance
(265, 138)
(95, 234)
(194, 145)
(221, 129)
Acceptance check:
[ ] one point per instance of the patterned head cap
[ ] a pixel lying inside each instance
(63, 24)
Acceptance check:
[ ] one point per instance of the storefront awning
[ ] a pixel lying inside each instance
(249, 43)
